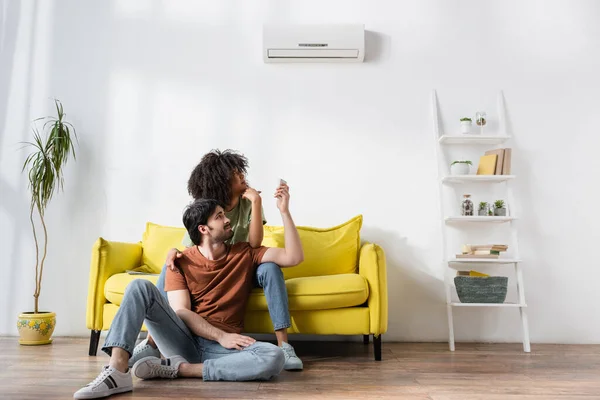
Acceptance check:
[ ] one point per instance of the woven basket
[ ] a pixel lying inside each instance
(473, 289)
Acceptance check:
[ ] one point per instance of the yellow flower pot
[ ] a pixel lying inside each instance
(36, 328)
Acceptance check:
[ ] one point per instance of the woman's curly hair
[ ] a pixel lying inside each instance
(211, 179)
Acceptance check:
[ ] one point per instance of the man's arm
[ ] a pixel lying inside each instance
(174, 253)
(180, 302)
(292, 254)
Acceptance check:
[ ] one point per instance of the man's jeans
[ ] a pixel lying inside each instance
(144, 302)
(269, 277)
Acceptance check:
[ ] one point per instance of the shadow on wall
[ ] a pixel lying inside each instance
(377, 46)
(77, 214)
(416, 297)
(80, 214)
(10, 14)
(11, 200)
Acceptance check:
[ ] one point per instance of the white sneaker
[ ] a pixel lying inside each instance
(292, 362)
(143, 349)
(154, 367)
(109, 382)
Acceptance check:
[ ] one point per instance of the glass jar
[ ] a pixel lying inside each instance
(467, 206)
(480, 118)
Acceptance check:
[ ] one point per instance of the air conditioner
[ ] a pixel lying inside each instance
(313, 43)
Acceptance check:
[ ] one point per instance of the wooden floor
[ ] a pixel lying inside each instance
(333, 371)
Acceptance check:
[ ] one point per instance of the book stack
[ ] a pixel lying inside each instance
(495, 162)
(482, 251)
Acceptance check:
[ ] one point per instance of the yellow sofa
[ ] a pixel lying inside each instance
(339, 289)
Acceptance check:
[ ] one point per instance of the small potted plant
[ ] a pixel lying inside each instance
(465, 124)
(462, 167)
(499, 209)
(483, 209)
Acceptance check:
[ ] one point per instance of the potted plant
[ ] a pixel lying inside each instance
(499, 209)
(465, 124)
(45, 167)
(483, 209)
(460, 167)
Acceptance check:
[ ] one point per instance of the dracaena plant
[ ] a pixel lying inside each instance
(51, 150)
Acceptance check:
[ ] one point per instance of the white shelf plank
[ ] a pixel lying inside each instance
(477, 178)
(473, 139)
(483, 219)
(517, 305)
(483, 260)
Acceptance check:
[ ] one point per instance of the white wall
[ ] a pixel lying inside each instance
(153, 85)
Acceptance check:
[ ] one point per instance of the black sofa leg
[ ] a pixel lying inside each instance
(365, 339)
(94, 339)
(377, 347)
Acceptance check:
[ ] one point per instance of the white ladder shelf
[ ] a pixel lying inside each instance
(450, 264)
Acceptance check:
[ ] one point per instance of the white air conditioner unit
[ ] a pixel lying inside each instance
(313, 43)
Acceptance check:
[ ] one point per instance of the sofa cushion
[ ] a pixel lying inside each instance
(157, 241)
(114, 288)
(327, 251)
(310, 293)
(318, 293)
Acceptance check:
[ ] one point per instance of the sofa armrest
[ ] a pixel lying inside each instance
(372, 266)
(108, 258)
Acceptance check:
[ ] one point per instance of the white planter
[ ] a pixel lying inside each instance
(460, 169)
(465, 126)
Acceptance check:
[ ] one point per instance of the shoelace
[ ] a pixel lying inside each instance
(163, 371)
(100, 378)
(289, 352)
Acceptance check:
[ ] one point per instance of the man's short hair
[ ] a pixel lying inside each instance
(197, 214)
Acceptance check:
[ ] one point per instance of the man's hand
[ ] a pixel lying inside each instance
(172, 256)
(282, 194)
(235, 341)
(251, 194)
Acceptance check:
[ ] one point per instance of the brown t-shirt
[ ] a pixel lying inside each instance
(219, 290)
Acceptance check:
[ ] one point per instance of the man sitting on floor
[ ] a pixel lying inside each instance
(198, 329)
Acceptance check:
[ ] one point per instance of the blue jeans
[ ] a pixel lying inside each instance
(143, 302)
(269, 277)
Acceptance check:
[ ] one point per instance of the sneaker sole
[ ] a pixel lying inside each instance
(293, 369)
(100, 395)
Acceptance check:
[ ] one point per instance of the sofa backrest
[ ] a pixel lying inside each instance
(156, 243)
(327, 251)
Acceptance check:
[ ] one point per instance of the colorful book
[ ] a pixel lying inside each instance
(499, 160)
(506, 162)
(499, 247)
(484, 252)
(477, 256)
(471, 273)
(487, 164)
